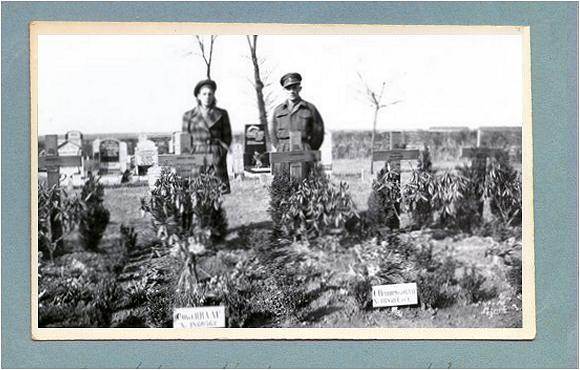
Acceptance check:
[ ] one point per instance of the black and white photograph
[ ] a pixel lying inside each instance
(268, 181)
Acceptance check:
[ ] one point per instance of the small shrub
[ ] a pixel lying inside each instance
(87, 300)
(418, 193)
(190, 291)
(449, 200)
(282, 187)
(472, 285)
(128, 238)
(207, 199)
(58, 215)
(514, 275)
(470, 210)
(160, 307)
(317, 207)
(424, 163)
(385, 199)
(503, 187)
(178, 206)
(361, 290)
(94, 216)
(377, 265)
(435, 278)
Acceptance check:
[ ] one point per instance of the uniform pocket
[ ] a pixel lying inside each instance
(282, 133)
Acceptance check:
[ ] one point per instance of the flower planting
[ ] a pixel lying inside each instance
(503, 186)
(188, 218)
(94, 217)
(297, 261)
(58, 215)
(316, 207)
(385, 199)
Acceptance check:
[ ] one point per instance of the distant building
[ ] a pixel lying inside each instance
(448, 128)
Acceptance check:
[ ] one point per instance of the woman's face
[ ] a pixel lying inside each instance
(205, 96)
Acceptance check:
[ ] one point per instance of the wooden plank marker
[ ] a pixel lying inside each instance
(51, 162)
(184, 162)
(479, 155)
(395, 156)
(297, 160)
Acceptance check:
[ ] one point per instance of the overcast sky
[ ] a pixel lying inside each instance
(144, 83)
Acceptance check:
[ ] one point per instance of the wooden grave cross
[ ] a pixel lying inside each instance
(394, 157)
(296, 159)
(51, 162)
(185, 162)
(479, 157)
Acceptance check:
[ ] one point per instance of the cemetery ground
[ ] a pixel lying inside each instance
(465, 279)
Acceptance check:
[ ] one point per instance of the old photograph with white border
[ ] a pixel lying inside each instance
(281, 181)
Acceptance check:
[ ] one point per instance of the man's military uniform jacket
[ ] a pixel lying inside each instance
(303, 117)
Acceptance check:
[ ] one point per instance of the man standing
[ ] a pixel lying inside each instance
(295, 114)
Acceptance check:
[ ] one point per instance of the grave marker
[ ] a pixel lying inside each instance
(394, 295)
(479, 157)
(256, 158)
(394, 158)
(52, 162)
(185, 163)
(72, 146)
(296, 160)
(326, 152)
(199, 317)
(153, 173)
(112, 156)
(146, 155)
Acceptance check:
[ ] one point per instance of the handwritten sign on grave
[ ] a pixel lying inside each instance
(394, 295)
(199, 317)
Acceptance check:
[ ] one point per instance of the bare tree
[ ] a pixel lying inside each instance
(206, 48)
(258, 84)
(376, 101)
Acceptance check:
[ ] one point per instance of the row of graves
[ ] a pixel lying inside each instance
(297, 161)
(67, 162)
(64, 161)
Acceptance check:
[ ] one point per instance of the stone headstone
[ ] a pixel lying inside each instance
(146, 155)
(112, 156)
(75, 137)
(235, 160)
(70, 148)
(181, 142)
(326, 152)
(256, 157)
(153, 173)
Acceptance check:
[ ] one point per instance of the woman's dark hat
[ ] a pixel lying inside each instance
(203, 83)
(290, 79)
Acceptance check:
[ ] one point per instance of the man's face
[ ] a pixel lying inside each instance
(293, 92)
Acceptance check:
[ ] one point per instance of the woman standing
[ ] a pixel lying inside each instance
(210, 129)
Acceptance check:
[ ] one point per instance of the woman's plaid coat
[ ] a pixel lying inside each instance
(211, 135)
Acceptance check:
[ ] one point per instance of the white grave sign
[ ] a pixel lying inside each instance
(199, 317)
(394, 295)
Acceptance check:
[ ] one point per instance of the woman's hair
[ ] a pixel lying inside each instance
(213, 103)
